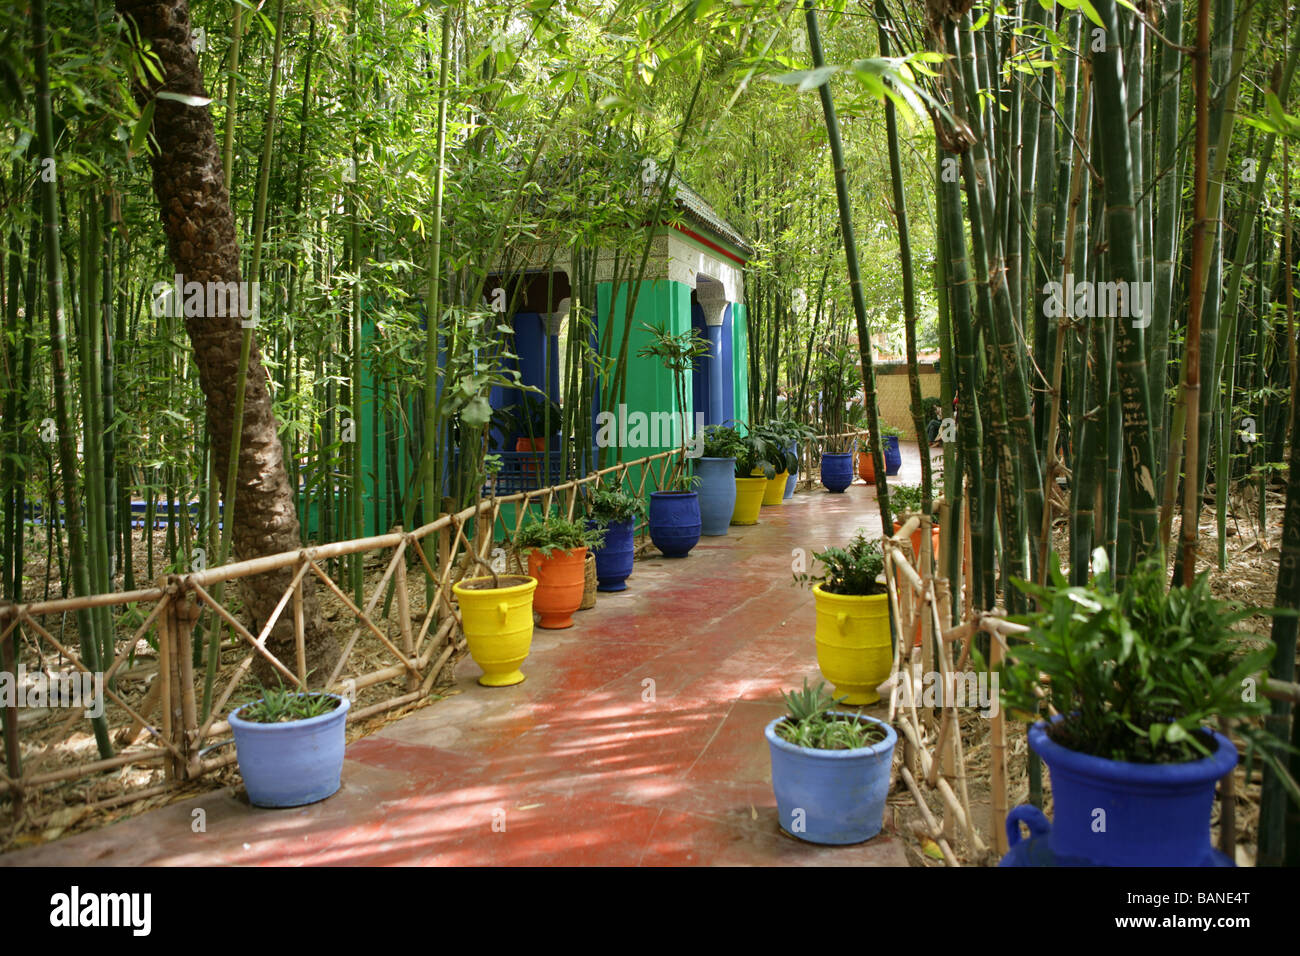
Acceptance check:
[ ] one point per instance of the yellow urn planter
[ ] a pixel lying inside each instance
(749, 499)
(774, 493)
(498, 625)
(854, 650)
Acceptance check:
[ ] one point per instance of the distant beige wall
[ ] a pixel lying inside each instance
(892, 393)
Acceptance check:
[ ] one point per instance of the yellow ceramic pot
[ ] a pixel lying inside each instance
(853, 645)
(498, 625)
(774, 493)
(749, 499)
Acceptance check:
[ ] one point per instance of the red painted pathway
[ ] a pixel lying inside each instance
(637, 738)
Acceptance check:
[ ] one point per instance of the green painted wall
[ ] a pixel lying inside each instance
(740, 360)
(649, 384)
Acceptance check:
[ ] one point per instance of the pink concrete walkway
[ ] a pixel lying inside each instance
(637, 738)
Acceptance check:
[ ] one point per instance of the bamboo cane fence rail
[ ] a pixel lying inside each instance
(414, 632)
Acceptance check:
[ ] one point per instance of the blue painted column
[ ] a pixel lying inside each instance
(715, 413)
(728, 377)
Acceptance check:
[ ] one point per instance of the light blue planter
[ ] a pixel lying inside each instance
(794, 475)
(831, 796)
(294, 763)
(717, 493)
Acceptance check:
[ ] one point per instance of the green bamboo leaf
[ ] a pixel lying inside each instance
(805, 80)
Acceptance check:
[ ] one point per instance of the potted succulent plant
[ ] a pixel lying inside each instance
(289, 745)
(854, 648)
(557, 552)
(716, 471)
(1139, 680)
(830, 769)
(616, 512)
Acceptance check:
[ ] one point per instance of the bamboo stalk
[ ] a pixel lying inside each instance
(936, 830)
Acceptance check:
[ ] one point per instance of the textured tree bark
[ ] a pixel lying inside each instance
(189, 182)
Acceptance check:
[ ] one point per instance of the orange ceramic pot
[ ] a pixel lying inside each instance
(916, 553)
(866, 467)
(528, 466)
(561, 579)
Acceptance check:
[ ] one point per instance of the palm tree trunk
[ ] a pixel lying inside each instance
(188, 181)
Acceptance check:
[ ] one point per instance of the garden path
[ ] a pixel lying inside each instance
(637, 738)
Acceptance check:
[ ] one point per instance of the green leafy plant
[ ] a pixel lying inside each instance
(677, 353)
(757, 454)
(890, 431)
(533, 416)
(779, 436)
(280, 705)
(811, 724)
(607, 506)
(554, 532)
(853, 570)
(905, 499)
(722, 441)
(1138, 675)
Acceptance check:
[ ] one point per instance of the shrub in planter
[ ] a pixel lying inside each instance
(289, 746)
(781, 442)
(757, 463)
(557, 551)
(1139, 680)
(616, 512)
(497, 617)
(893, 457)
(854, 649)
(675, 517)
(830, 769)
(716, 471)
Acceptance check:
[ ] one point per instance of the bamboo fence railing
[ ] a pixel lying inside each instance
(415, 641)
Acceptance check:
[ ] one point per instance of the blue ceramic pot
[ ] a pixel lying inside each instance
(837, 471)
(614, 557)
(893, 457)
(831, 796)
(1153, 814)
(794, 473)
(675, 521)
(717, 493)
(294, 763)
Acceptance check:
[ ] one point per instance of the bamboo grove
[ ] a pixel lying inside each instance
(1087, 209)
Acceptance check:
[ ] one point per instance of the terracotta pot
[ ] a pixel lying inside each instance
(561, 579)
(528, 466)
(916, 553)
(866, 467)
